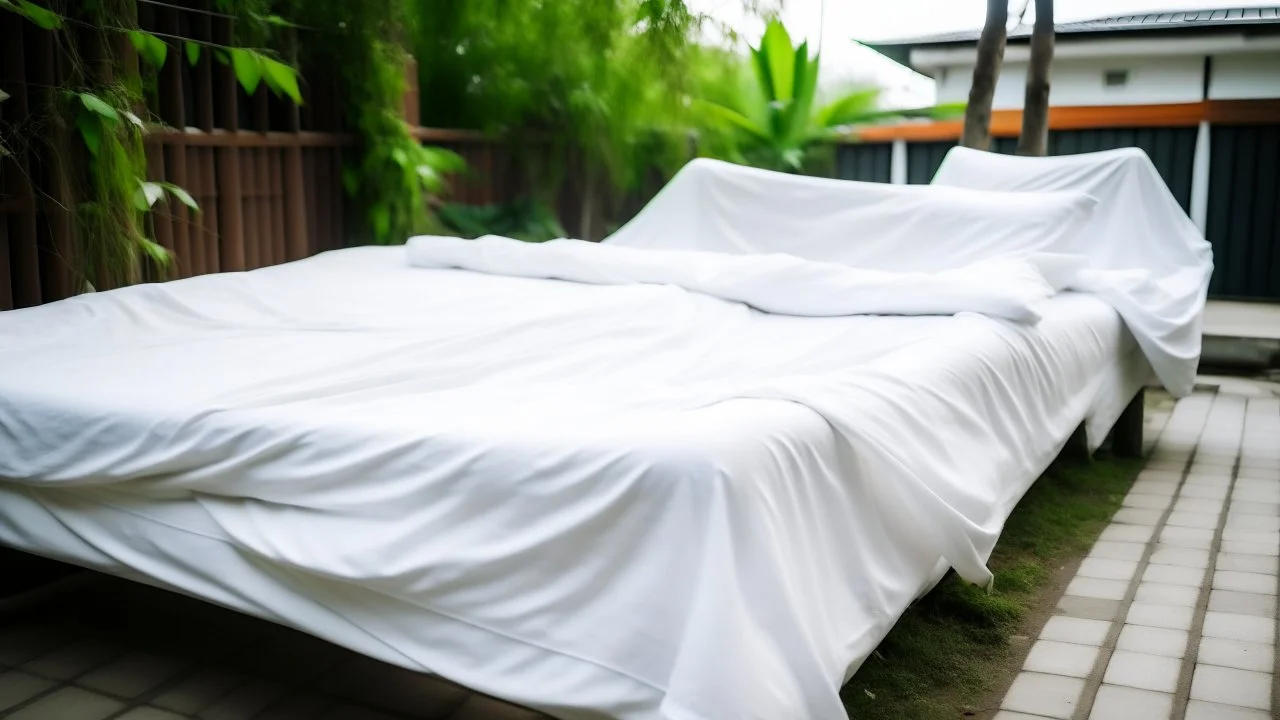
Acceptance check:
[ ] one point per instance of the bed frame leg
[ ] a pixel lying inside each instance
(1126, 437)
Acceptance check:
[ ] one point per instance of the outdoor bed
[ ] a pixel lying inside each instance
(696, 471)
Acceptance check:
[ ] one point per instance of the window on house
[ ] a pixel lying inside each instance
(1115, 78)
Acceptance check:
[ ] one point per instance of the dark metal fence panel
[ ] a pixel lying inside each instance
(866, 162)
(1244, 211)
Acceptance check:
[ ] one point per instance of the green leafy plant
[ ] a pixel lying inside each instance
(523, 219)
(770, 118)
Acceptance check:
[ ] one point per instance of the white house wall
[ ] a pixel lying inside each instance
(1080, 81)
(1245, 77)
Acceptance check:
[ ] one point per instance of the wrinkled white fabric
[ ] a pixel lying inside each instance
(1110, 211)
(778, 283)
(1145, 256)
(629, 500)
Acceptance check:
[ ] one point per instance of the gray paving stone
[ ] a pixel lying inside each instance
(245, 701)
(1164, 594)
(1128, 533)
(1237, 654)
(1206, 492)
(1008, 715)
(1230, 686)
(1174, 575)
(1125, 551)
(196, 692)
(1264, 564)
(1136, 516)
(1193, 519)
(18, 687)
(1147, 502)
(1095, 588)
(1244, 582)
(1154, 487)
(1059, 658)
(20, 643)
(73, 659)
(1242, 603)
(1198, 538)
(1076, 630)
(1255, 523)
(1232, 626)
(1162, 616)
(1180, 557)
(1261, 537)
(1244, 507)
(131, 675)
(1052, 696)
(1088, 608)
(69, 703)
(1250, 548)
(1143, 671)
(1201, 479)
(1153, 641)
(1117, 702)
(1198, 505)
(1200, 710)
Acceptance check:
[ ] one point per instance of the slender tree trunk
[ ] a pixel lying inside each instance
(977, 114)
(1035, 109)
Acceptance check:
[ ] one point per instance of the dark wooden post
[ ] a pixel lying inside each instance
(1126, 436)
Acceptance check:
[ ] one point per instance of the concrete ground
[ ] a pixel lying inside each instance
(1173, 614)
(1224, 318)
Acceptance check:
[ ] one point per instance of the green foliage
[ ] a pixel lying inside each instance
(523, 219)
(770, 120)
(40, 16)
(392, 173)
(149, 47)
(604, 78)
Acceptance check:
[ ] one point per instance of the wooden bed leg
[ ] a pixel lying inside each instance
(1126, 436)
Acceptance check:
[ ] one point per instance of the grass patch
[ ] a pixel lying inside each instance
(952, 646)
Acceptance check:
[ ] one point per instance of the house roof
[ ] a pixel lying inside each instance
(1222, 18)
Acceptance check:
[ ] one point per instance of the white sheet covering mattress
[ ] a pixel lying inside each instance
(628, 501)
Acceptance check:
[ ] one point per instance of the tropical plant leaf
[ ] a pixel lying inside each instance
(3, 96)
(380, 216)
(734, 118)
(90, 127)
(847, 110)
(805, 87)
(443, 160)
(282, 79)
(183, 196)
(99, 107)
(248, 68)
(399, 157)
(134, 119)
(778, 56)
(156, 251)
(278, 21)
(193, 52)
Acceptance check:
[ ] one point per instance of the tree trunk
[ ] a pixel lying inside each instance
(977, 114)
(1035, 109)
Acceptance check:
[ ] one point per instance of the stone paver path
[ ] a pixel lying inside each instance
(1172, 616)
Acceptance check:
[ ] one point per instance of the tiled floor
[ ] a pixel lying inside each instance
(120, 650)
(1172, 616)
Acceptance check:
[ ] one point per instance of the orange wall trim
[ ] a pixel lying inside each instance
(1008, 123)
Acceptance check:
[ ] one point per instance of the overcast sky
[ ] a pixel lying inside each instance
(844, 62)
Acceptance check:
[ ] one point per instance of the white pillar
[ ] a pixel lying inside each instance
(1200, 178)
(898, 162)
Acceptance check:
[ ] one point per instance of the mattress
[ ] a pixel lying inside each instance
(597, 564)
(694, 472)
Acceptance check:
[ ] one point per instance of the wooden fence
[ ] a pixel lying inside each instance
(266, 174)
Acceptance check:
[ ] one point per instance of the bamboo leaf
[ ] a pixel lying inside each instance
(282, 79)
(90, 127)
(134, 119)
(248, 68)
(193, 52)
(156, 251)
(96, 105)
(46, 19)
(183, 196)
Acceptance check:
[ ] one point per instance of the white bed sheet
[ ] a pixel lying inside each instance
(726, 559)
